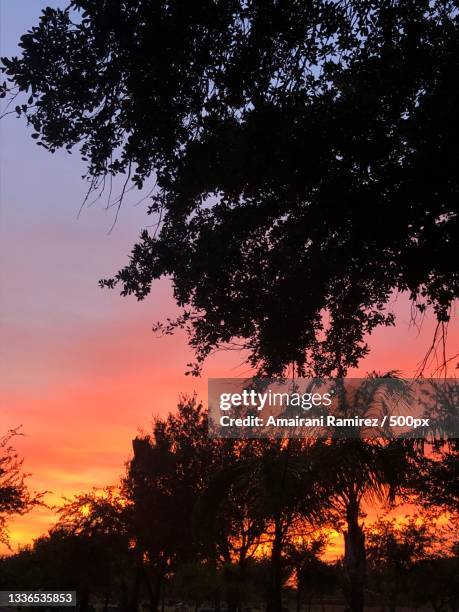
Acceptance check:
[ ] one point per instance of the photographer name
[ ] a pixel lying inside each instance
(323, 421)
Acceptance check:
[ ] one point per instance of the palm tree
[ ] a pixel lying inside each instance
(282, 487)
(364, 470)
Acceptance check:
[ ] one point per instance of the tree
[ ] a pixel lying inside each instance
(15, 497)
(195, 582)
(435, 482)
(313, 577)
(281, 482)
(225, 523)
(435, 580)
(92, 565)
(414, 562)
(303, 156)
(393, 550)
(364, 470)
(95, 531)
(169, 470)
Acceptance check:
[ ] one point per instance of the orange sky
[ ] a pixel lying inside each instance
(85, 393)
(81, 369)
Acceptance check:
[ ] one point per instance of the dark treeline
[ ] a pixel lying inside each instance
(230, 524)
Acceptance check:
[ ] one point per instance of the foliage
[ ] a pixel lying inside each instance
(303, 156)
(15, 496)
(279, 483)
(168, 472)
(435, 484)
(313, 576)
(196, 582)
(364, 470)
(410, 560)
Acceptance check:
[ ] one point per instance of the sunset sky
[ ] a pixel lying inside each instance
(81, 369)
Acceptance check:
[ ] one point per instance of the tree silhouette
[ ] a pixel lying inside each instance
(94, 532)
(313, 576)
(225, 522)
(363, 470)
(400, 554)
(168, 472)
(15, 497)
(86, 551)
(435, 482)
(196, 582)
(435, 581)
(282, 485)
(303, 156)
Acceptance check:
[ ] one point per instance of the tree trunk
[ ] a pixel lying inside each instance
(123, 598)
(131, 603)
(134, 597)
(275, 583)
(298, 595)
(354, 559)
(232, 588)
(154, 590)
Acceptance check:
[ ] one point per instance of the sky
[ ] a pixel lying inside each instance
(81, 370)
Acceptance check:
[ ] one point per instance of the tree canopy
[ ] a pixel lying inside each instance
(304, 156)
(15, 496)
